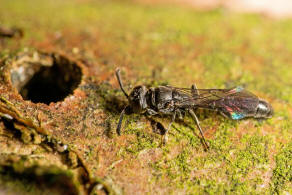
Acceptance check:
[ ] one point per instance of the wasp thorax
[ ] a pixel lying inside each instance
(137, 99)
(264, 110)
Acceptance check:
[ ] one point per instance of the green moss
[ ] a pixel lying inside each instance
(178, 46)
(240, 174)
(254, 154)
(144, 140)
(282, 174)
(177, 169)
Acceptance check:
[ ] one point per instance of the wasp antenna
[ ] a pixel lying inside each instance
(121, 120)
(120, 82)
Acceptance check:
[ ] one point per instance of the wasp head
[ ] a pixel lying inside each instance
(137, 99)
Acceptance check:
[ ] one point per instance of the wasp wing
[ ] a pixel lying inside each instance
(236, 103)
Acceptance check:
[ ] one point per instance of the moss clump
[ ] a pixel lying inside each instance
(144, 140)
(175, 46)
(177, 169)
(254, 154)
(282, 174)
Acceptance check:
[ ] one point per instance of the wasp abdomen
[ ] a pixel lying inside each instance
(263, 110)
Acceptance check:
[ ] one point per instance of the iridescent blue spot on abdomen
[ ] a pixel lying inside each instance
(236, 90)
(239, 88)
(237, 116)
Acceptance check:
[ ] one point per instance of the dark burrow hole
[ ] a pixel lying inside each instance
(49, 79)
(49, 180)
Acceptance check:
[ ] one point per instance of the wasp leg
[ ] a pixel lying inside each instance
(194, 116)
(151, 112)
(157, 127)
(165, 136)
(180, 116)
(121, 120)
(224, 115)
(195, 90)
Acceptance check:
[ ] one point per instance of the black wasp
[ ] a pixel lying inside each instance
(235, 103)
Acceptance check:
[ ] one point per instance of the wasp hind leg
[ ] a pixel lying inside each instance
(194, 89)
(194, 116)
(224, 115)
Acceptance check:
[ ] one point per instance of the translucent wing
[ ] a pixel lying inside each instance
(207, 95)
(237, 103)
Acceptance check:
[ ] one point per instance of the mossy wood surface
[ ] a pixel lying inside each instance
(71, 146)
